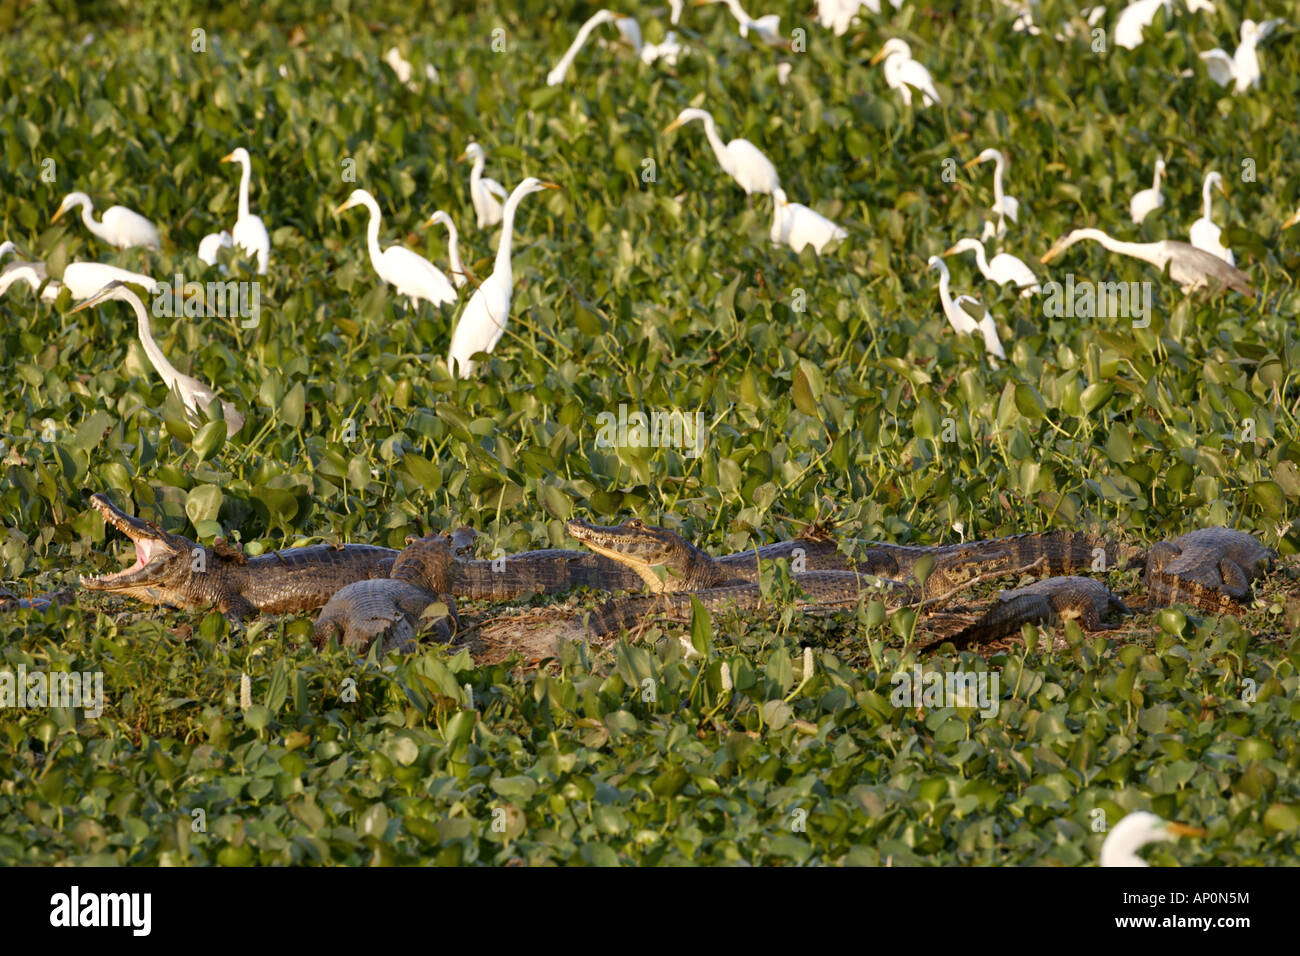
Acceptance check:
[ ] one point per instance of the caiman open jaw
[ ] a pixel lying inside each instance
(159, 556)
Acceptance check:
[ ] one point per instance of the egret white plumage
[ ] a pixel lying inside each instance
(458, 274)
(1135, 831)
(484, 320)
(402, 69)
(1205, 234)
(902, 73)
(1241, 68)
(249, 233)
(1003, 268)
(33, 273)
(768, 28)
(1142, 203)
(799, 226)
(483, 192)
(119, 227)
(1135, 18)
(1003, 205)
(1292, 221)
(966, 314)
(408, 272)
(195, 395)
(1190, 267)
(213, 243)
(740, 159)
(556, 76)
(837, 15)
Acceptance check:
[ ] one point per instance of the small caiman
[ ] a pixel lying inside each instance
(1210, 568)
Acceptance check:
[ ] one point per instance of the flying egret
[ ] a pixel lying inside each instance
(193, 394)
(408, 272)
(799, 226)
(119, 226)
(966, 314)
(483, 192)
(556, 76)
(458, 274)
(1003, 205)
(768, 28)
(213, 243)
(1190, 267)
(249, 232)
(1205, 234)
(484, 320)
(902, 73)
(1135, 831)
(1142, 203)
(740, 158)
(1242, 68)
(1003, 269)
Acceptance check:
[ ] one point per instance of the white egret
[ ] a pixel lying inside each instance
(195, 395)
(119, 226)
(8, 247)
(902, 73)
(1135, 831)
(1003, 269)
(837, 15)
(401, 68)
(249, 232)
(1205, 234)
(458, 273)
(740, 158)
(799, 226)
(1135, 18)
(1003, 205)
(1142, 203)
(213, 243)
(966, 314)
(483, 192)
(556, 76)
(768, 28)
(1190, 267)
(1242, 68)
(33, 273)
(484, 320)
(408, 272)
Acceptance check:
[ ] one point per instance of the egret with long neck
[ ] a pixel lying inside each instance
(408, 272)
(484, 320)
(250, 232)
(119, 227)
(195, 395)
(740, 159)
(1190, 267)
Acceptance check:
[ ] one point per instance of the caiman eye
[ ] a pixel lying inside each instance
(635, 523)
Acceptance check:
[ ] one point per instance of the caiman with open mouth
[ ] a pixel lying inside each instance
(173, 570)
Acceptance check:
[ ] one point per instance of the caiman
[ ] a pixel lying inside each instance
(171, 569)
(393, 609)
(676, 571)
(1211, 568)
(666, 562)
(1086, 600)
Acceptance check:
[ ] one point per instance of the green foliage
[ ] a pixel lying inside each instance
(832, 379)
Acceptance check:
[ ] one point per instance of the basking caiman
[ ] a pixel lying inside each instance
(1210, 568)
(1086, 600)
(171, 569)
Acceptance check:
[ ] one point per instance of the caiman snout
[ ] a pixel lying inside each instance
(155, 551)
